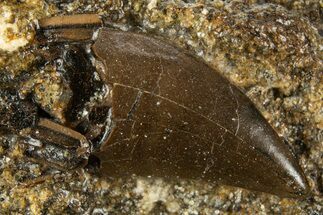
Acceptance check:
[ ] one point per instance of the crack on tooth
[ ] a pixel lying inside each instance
(157, 87)
(236, 111)
(135, 105)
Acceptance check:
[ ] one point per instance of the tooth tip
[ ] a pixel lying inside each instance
(298, 188)
(301, 188)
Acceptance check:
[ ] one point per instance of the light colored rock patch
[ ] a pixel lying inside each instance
(155, 192)
(10, 40)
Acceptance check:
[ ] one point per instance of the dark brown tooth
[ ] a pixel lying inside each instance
(69, 35)
(61, 147)
(49, 131)
(170, 115)
(70, 21)
(176, 117)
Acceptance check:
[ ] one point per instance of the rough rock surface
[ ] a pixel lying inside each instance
(271, 49)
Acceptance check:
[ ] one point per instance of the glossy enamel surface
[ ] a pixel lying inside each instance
(175, 117)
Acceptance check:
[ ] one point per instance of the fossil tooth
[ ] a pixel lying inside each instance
(176, 117)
